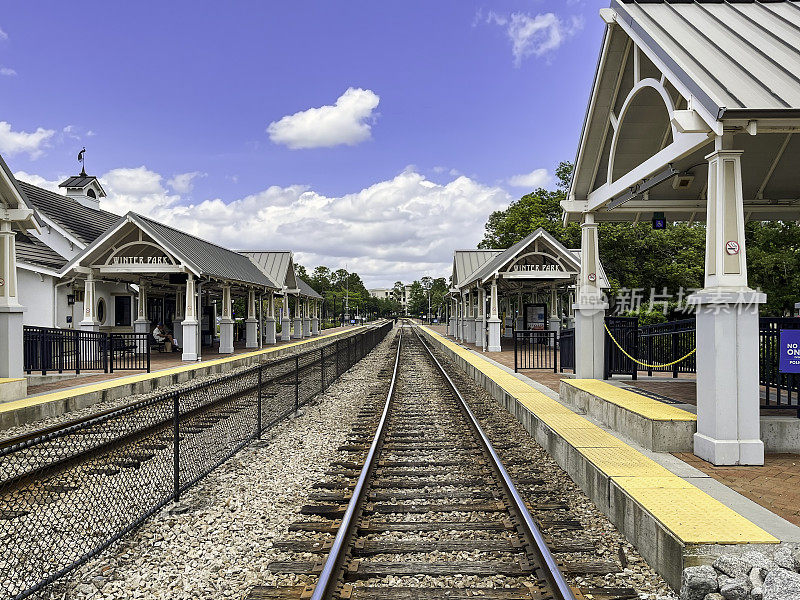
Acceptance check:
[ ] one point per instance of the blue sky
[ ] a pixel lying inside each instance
(198, 113)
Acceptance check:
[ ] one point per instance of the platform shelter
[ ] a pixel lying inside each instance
(187, 274)
(527, 287)
(693, 116)
(298, 318)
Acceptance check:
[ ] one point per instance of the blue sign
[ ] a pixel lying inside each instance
(789, 351)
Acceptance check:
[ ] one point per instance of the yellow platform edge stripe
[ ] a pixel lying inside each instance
(687, 511)
(10, 379)
(106, 385)
(636, 403)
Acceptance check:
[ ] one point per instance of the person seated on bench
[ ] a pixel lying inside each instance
(162, 335)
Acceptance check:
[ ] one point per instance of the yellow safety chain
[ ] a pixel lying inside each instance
(644, 364)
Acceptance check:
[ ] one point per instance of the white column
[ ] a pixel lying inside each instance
(261, 321)
(251, 325)
(461, 315)
(469, 321)
(590, 309)
(480, 320)
(286, 319)
(226, 323)
(90, 322)
(555, 318)
(315, 319)
(297, 331)
(177, 320)
(190, 324)
(11, 336)
(728, 415)
(519, 320)
(306, 317)
(269, 322)
(494, 320)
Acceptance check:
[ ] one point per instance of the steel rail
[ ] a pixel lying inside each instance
(327, 580)
(531, 532)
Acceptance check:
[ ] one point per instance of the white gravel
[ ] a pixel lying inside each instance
(218, 542)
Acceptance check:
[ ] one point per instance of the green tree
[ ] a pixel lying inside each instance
(539, 208)
(418, 300)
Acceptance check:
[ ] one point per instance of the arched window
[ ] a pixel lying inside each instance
(90, 193)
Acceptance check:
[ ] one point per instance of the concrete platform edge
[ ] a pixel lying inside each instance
(663, 550)
(55, 408)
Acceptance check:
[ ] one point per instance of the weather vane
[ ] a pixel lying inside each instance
(80, 160)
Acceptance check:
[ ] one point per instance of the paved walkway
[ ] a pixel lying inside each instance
(775, 486)
(158, 362)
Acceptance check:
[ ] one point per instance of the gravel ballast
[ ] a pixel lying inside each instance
(217, 542)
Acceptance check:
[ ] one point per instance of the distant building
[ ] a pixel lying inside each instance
(388, 293)
(381, 293)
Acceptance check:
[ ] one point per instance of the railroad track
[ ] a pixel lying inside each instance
(424, 507)
(69, 491)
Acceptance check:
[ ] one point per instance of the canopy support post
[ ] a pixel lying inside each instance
(728, 414)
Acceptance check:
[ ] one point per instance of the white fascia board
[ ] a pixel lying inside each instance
(37, 269)
(685, 144)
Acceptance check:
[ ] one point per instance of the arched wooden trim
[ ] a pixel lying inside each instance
(668, 103)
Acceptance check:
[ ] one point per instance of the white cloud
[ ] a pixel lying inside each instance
(7, 72)
(3, 35)
(17, 142)
(537, 35)
(37, 180)
(535, 179)
(138, 189)
(183, 183)
(349, 122)
(394, 229)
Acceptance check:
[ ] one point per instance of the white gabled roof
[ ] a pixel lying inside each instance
(503, 258)
(466, 262)
(736, 57)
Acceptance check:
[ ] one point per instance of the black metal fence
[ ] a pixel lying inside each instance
(665, 343)
(49, 349)
(626, 333)
(782, 390)
(535, 349)
(68, 492)
(566, 349)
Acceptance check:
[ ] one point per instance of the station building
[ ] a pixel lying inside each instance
(66, 264)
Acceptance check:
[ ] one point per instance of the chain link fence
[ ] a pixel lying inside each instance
(68, 492)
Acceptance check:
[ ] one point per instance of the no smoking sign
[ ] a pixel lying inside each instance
(732, 247)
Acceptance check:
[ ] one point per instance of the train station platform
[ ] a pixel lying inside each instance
(672, 510)
(61, 397)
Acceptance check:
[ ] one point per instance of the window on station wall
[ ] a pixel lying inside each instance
(122, 311)
(101, 311)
